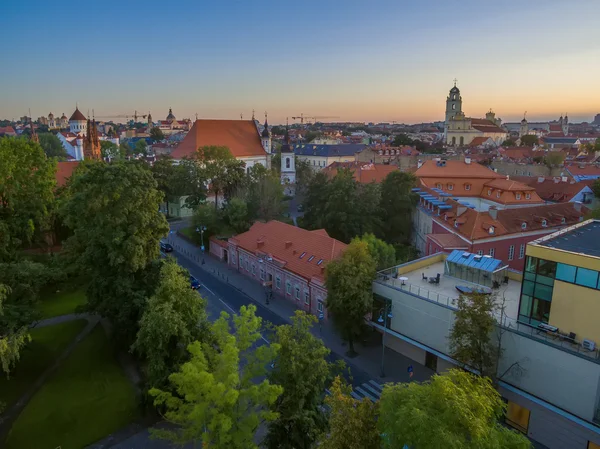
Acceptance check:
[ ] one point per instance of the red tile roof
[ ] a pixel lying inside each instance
(448, 241)
(455, 169)
(240, 136)
(364, 172)
(297, 249)
(589, 170)
(485, 126)
(7, 130)
(77, 116)
(479, 141)
(64, 170)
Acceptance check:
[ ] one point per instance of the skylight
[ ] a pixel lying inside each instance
(320, 262)
(311, 258)
(303, 254)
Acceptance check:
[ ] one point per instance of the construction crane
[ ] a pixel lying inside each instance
(314, 118)
(135, 116)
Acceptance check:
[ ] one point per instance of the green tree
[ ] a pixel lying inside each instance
(156, 134)
(174, 317)
(52, 146)
(368, 210)
(529, 140)
(236, 214)
(171, 179)
(278, 130)
(471, 336)
(194, 182)
(352, 422)
(113, 212)
(223, 171)
(342, 219)
(110, 150)
(383, 253)
(125, 149)
(509, 143)
(219, 397)
(458, 410)
(302, 370)
(263, 193)
(12, 337)
(27, 183)
(315, 202)
(554, 158)
(596, 188)
(401, 140)
(349, 290)
(304, 175)
(397, 205)
(312, 135)
(141, 147)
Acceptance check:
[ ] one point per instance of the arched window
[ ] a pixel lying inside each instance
(450, 186)
(454, 107)
(454, 141)
(438, 186)
(462, 140)
(454, 97)
(287, 162)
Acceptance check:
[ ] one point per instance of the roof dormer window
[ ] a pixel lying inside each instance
(491, 230)
(438, 186)
(544, 223)
(450, 186)
(523, 226)
(456, 224)
(489, 192)
(528, 196)
(563, 220)
(518, 196)
(498, 193)
(467, 186)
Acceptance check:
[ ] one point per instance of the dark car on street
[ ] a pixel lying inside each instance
(194, 283)
(166, 247)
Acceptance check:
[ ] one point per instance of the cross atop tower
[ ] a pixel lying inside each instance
(455, 81)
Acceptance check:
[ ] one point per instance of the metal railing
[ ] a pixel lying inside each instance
(418, 290)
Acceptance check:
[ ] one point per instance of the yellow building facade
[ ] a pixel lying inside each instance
(561, 285)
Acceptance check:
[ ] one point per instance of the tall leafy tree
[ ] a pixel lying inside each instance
(141, 147)
(173, 180)
(236, 214)
(13, 337)
(304, 175)
(529, 140)
(383, 253)
(219, 396)
(223, 171)
(174, 317)
(471, 340)
(111, 150)
(27, 183)
(315, 202)
(458, 410)
(112, 210)
(52, 146)
(397, 204)
(349, 296)
(352, 422)
(263, 193)
(302, 370)
(341, 220)
(156, 134)
(368, 212)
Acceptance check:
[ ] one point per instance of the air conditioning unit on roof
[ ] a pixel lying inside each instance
(588, 344)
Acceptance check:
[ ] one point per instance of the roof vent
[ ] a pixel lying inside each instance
(467, 160)
(288, 244)
(477, 257)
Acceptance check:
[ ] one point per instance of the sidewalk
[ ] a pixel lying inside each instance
(369, 353)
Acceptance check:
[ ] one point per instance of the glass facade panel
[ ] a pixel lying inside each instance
(565, 272)
(529, 276)
(525, 307)
(528, 288)
(544, 280)
(543, 292)
(540, 312)
(546, 268)
(531, 264)
(587, 278)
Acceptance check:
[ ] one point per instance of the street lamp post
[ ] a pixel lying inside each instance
(386, 312)
(201, 230)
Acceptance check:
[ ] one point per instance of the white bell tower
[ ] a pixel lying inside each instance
(288, 165)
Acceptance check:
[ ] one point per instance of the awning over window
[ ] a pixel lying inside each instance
(482, 263)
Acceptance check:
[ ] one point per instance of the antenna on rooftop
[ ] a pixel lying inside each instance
(196, 116)
(241, 116)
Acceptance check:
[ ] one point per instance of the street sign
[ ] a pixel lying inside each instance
(321, 316)
(202, 248)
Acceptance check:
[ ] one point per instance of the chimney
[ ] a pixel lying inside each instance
(508, 177)
(493, 211)
(288, 244)
(461, 210)
(577, 206)
(260, 243)
(467, 159)
(419, 163)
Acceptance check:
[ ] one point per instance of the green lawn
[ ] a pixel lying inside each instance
(46, 344)
(87, 398)
(61, 303)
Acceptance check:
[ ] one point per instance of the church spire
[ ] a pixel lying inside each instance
(265, 132)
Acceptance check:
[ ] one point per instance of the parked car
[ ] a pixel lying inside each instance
(195, 283)
(166, 247)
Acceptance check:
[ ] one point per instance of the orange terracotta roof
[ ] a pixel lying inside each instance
(509, 184)
(485, 126)
(518, 153)
(64, 170)
(298, 249)
(555, 189)
(479, 141)
(448, 241)
(455, 169)
(77, 116)
(363, 172)
(240, 136)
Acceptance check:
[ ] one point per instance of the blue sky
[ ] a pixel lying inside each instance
(377, 60)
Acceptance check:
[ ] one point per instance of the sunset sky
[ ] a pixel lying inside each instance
(361, 61)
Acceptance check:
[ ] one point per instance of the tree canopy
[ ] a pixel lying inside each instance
(457, 410)
(27, 183)
(156, 134)
(52, 146)
(397, 204)
(529, 140)
(383, 253)
(349, 290)
(219, 398)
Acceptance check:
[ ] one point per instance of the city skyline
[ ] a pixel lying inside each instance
(394, 61)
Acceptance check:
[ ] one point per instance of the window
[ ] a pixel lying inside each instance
(320, 262)
(278, 282)
(262, 274)
(303, 254)
(523, 226)
(306, 297)
(438, 186)
(288, 288)
(528, 196)
(454, 96)
(518, 196)
(247, 265)
(480, 252)
(565, 272)
(491, 230)
(287, 162)
(467, 186)
(298, 293)
(498, 193)
(517, 417)
(241, 261)
(320, 306)
(453, 141)
(253, 269)
(511, 252)
(587, 278)
(544, 223)
(563, 220)
(454, 107)
(456, 224)
(311, 258)
(450, 186)
(489, 192)
(492, 251)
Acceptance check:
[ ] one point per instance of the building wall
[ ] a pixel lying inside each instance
(516, 169)
(568, 302)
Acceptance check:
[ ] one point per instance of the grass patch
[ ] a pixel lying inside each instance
(191, 234)
(61, 303)
(87, 398)
(46, 344)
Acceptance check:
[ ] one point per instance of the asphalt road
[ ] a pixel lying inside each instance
(223, 297)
